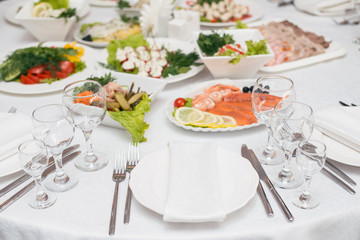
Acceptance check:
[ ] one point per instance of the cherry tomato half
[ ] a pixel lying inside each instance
(179, 102)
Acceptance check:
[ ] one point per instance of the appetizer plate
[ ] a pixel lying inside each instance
(16, 7)
(169, 43)
(77, 37)
(335, 50)
(103, 3)
(152, 86)
(338, 151)
(238, 180)
(198, 89)
(19, 88)
(255, 10)
(10, 165)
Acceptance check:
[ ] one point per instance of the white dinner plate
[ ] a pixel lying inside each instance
(338, 151)
(238, 180)
(255, 10)
(169, 43)
(103, 3)
(152, 86)
(10, 165)
(77, 37)
(198, 89)
(335, 50)
(19, 88)
(15, 8)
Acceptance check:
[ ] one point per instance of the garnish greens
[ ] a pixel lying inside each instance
(132, 20)
(210, 44)
(123, 4)
(103, 80)
(133, 120)
(87, 25)
(256, 48)
(179, 62)
(240, 25)
(68, 13)
(56, 4)
(23, 59)
(201, 2)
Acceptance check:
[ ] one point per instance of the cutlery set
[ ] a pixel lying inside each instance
(250, 155)
(121, 166)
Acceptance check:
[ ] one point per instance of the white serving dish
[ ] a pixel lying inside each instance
(220, 67)
(47, 29)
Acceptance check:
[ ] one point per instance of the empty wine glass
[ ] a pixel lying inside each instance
(34, 160)
(86, 100)
(310, 159)
(292, 123)
(267, 92)
(53, 125)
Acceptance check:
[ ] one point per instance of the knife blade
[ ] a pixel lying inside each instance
(260, 189)
(337, 180)
(263, 176)
(338, 171)
(26, 176)
(31, 185)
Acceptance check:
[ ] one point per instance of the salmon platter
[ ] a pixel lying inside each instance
(214, 106)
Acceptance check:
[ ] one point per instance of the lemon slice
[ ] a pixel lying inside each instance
(44, 6)
(209, 118)
(186, 115)
(228, 120)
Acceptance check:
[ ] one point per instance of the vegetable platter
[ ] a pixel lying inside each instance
(16, 87)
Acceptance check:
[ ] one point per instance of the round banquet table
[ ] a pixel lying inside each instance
(84, 212)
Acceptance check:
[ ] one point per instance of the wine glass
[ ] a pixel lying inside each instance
(86, 99)
(292, 123)
(53, 125)
(267, 92)
(310, 159)
(34, 160)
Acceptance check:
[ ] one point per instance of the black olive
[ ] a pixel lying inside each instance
(245, 89)
(251, 88)
(267, 87)
(87, 38)
(266, 92)
(260, 85)
(258, 91)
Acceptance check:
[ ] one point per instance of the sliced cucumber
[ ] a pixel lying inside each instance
(9, 71)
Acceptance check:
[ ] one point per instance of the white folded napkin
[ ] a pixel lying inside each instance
(193, 185)
(324, 7)
(341, 124)
(15, 128)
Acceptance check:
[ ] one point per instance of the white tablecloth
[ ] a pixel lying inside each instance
(84, 212)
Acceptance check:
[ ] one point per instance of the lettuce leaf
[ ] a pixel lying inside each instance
(133, 121)
(56, 4)
(256, 48)
(133, 41)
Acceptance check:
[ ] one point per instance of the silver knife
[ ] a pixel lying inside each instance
(338, 171)
(260, 189)
(26, 176)
(263, 176)
(31, 185)
(337, 180)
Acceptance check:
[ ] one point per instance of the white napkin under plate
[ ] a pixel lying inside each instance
(324, 7)
(15, 128)
(341, 124)
(193, 186)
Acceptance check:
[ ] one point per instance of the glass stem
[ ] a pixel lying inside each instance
(40, 195)
(60, 176)
(269, 147)
(306, 190)
(288, 156)
(90, 156)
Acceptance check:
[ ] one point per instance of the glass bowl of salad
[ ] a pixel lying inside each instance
(235, 53)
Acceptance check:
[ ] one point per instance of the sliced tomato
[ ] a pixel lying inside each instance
(48, 73)
(61, 75)
(36, 70)
(33, 78)
(43, 76)
(67, 67)
(25, 80)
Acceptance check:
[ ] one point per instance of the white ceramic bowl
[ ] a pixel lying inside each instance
(47, 29)
(220, 67)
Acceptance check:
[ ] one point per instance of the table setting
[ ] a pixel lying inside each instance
(180, 124)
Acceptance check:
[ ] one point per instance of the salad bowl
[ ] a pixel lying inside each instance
(223, 67)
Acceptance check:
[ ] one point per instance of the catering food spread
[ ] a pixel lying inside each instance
(290, 43)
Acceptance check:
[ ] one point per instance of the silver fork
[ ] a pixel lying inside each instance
(118, 176)
(133, 159)
(12, 110)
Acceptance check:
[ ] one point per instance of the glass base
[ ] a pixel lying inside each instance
(49, 200)
(305, 201)
(289, 180)
(271, 158)
(91, 166)
(66, 185)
